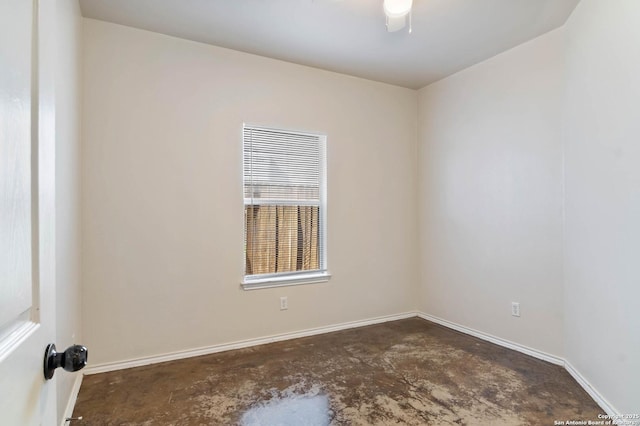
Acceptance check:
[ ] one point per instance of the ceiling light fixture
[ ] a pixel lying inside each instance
(397, 11)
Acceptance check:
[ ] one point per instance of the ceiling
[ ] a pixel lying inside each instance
(348, 36)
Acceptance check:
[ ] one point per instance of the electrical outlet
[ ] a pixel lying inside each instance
(515, 309)
(284, 303)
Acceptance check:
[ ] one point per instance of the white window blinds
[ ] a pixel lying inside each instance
(281, 167)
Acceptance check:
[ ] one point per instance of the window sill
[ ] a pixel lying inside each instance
(298, 279)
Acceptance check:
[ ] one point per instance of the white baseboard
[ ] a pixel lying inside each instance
(138, 362)
(588, 387)
(493, 339)
(68, 411)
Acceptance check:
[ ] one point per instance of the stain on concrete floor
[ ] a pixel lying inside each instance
(403, 372)
(311, 409)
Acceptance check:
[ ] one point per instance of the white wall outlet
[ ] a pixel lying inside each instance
(284, 303)
(515, 309)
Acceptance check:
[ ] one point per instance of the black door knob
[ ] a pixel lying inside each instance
(74, 358)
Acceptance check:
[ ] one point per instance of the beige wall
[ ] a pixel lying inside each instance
(68, 77)
(490, 194)
(162, 193)
(602, 225)
(529, 183)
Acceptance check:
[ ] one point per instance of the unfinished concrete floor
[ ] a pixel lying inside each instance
(403, 372)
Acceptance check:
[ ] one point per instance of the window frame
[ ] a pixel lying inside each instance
(280, 279)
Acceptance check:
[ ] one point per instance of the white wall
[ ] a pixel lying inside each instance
(602, 217)
(162, 193)
(67, 98)
(490, 191)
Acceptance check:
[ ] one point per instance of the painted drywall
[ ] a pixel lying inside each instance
(162, 208)
(490, 195)
(68, 77)
(602, 201)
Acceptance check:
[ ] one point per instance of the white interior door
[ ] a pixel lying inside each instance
(27, 212)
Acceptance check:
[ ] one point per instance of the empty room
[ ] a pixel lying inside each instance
(319, 212)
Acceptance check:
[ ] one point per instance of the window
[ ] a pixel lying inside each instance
(284, 207)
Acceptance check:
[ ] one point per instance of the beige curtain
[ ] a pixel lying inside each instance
(281, 239)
